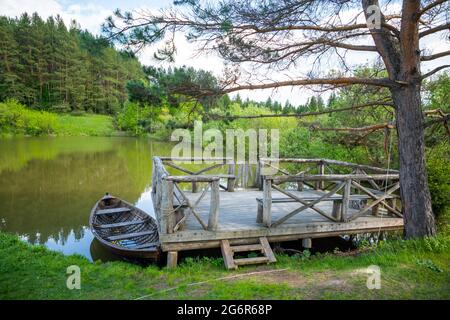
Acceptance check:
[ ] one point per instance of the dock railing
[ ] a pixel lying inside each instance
(376, 187)
(172, 206)
(346, 185)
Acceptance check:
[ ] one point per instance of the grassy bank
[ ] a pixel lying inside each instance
(417, 269)
(85, 125)
(16, 119)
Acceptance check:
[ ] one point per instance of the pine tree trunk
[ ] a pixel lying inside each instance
(416, 200)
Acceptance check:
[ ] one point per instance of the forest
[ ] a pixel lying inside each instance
(54, 78)
(51, 67)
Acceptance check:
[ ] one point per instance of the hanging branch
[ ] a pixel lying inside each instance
(299, 115)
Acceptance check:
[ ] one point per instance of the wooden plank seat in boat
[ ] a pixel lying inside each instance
(121, 224)
(130, 235)
(113, 210)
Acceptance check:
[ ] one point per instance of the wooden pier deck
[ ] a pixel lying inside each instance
(206, 208)
(237, 222)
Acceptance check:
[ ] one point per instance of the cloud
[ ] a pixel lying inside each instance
(44, 8)
(89, 16)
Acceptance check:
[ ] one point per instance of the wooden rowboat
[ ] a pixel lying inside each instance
(124, 229)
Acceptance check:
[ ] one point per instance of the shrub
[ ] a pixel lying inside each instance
(15, 118)
(438, 166)
(135, 118)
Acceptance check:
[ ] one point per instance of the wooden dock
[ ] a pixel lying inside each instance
(286, 206)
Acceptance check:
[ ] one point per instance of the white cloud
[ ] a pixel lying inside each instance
(44, 8)
(91, 15)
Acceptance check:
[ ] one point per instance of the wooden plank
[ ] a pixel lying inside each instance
(209, 168)
(336, 211)
(227, 254)
(267, 202)
(259, 212)
(173, 165)
(194, 212)
(320, 185)
(111, 211)
(302, 229)
(314, 197)
(267, 249)
(186, 215)
(214, 243)
(331, 177)
(192, 178)
(246, 261)
(374, 196)
(214, 207)
(330, 162)
(247, 247)
(167, 208)
(120, 224)
(204, 159)
(130, 235)
(376, 202)
(346, 200)
(307, 205)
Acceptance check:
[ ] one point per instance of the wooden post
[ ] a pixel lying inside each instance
(336, 213)
(346, 200)
(168, 216)
(257, 183)
(259, 212)
(307, 243)
(230, 184)
(299, 186)
(267, 202)
(231, 181)
(214, 206)
(194, 187)
(172, 259)
(376, 210)
(392, 202)
(259, 176)
(320, 185)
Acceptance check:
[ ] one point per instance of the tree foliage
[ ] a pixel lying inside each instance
(48, 66)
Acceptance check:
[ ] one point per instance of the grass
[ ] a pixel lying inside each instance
(413, 269)
(84, 125)
(17, 120)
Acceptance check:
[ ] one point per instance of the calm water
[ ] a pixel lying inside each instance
(49, 185)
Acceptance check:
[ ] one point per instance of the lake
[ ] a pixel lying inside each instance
(48, 186)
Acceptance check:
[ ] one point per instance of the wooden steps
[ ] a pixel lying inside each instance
(263, 247)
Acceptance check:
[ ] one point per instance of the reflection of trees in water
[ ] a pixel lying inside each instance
(54, 197)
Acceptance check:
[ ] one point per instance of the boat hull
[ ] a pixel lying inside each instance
(125, 230)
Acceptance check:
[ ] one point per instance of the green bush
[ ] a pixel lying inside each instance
(135, 118)
(438, 166)
(16, 119)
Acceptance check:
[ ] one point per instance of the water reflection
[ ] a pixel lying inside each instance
(49, 185)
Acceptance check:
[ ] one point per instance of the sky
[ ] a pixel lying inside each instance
(91, 14)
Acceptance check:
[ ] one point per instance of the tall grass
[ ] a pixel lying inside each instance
(16, 119)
